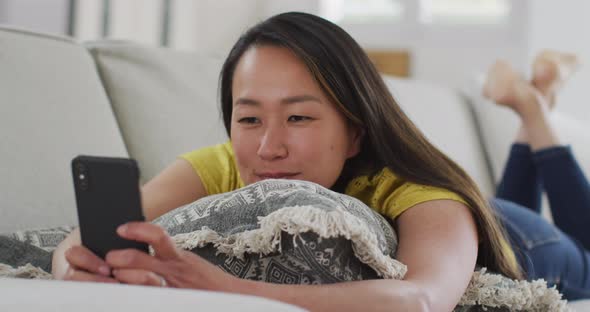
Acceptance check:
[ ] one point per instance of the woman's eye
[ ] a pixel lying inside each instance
(248, 120)
(298, 118)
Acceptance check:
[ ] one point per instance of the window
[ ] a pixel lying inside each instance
(362, 11)
(417, 11)
(464, 11)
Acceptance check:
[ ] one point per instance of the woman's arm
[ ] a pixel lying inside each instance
(437, 241)
(370, 295)
(440, 247)
(175, 186)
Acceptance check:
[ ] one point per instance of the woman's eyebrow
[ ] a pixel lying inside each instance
(300, 98)
(288, 100)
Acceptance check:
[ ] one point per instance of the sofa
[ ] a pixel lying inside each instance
(61, 98)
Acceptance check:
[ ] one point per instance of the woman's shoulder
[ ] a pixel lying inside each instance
(390, 195)
(216, 167)
(221, 149)
(376, 180)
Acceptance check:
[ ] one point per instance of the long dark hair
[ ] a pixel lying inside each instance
(347, 76)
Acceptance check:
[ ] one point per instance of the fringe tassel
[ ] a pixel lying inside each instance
(26, 271)
(494, 290)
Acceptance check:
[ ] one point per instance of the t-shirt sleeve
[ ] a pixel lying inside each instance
(410, 194)
(216, 167)
(390, 195)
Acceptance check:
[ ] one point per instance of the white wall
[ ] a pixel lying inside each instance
(39, 15)
(219, 23)
(452, 56)
(447, 55)
(564, 25)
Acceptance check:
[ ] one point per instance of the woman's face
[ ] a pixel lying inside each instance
(283, 126)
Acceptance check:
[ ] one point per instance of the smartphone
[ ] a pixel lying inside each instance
(107, 196)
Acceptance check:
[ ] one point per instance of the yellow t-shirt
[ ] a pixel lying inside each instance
(384, 192)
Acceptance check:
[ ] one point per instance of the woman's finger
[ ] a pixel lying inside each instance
(139, 277)
(133, 259)
(82, 258)
(152, 234)
(81, 276)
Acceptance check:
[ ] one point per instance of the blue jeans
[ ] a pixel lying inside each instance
(558, 253)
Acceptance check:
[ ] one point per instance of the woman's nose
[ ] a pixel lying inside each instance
(273, 144)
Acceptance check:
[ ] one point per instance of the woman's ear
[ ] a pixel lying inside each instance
(356, 136)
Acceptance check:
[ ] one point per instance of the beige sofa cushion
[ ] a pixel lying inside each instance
(67, 296)
(52, 108)
(164, 100)
(580, 305)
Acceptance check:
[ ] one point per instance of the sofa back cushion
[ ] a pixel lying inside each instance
(165, 101)
(52, 108)
(446, 119)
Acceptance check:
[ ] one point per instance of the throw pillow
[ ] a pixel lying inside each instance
(287, 231)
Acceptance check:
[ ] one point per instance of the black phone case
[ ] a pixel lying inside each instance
(107, 195)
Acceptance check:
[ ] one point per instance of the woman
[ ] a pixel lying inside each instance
(301, 100)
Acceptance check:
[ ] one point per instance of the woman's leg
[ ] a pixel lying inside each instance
(566, 186)
(568, 191)
(520, 182)
(543, 251)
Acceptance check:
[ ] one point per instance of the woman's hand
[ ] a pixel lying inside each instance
(169, 267)
(85, 266)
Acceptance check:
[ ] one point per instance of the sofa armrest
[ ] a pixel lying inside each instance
(42, 295)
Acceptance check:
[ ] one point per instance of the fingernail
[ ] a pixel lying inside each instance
(122, 229)
(104, 270)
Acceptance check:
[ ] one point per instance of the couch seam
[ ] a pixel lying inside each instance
(9, 28)
(481, 140)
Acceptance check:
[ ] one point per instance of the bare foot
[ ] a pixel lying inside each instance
(508, 88)
(550, 70)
